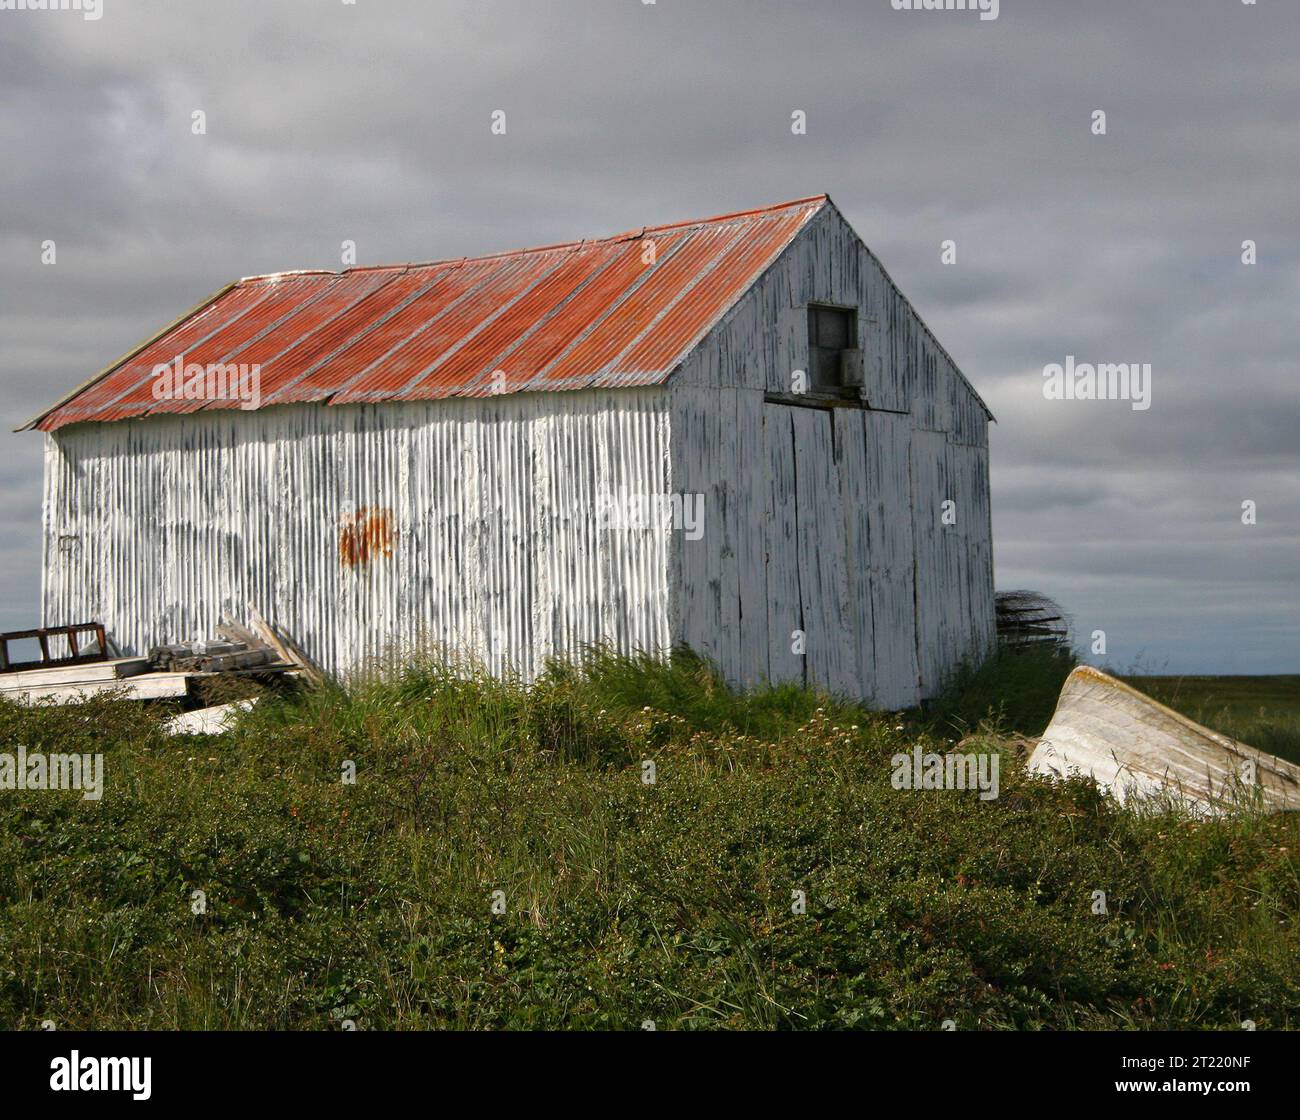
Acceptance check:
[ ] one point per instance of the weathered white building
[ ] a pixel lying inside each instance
(734, 433)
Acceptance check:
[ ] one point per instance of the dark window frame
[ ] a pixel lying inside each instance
(834, 323)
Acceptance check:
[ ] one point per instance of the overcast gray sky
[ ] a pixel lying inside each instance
(370, 121)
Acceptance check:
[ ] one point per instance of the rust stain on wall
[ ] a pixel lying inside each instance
(365, 535)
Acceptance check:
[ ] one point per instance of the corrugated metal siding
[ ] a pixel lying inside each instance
(583, 315)
(160, 527)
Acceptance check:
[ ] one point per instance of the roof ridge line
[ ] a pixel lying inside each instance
(554, 247)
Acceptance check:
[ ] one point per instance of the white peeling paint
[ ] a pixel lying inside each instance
(482, 515)
(827, 521)
(162, 526)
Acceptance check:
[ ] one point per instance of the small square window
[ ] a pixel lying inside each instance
(831, 331)
(832, 327)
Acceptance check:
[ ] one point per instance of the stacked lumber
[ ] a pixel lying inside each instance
(185, 670)
(210, 657)
(127, 675)
(111, 671)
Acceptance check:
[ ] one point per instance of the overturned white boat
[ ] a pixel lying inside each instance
(1136, 748)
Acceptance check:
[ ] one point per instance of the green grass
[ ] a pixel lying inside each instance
(1013, 691)
(1263, 712)
(623, 901)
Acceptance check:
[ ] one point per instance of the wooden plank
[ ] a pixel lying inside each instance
(147, 686)
(939, 599)
(753, 497)
(967, 472)
(208, 721)
(284, 646)
(785, 608)
(890, 545)
(72, 674)
(851, 463)
(969, 465)
(232, 631)
(721, 529)
(239, 659)
(823, 586)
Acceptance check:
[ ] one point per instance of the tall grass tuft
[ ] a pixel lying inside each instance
(1014, 690)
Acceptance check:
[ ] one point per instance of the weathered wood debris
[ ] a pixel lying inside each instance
(185, 671)
(56, 645)
(210, 657)
(208, 721)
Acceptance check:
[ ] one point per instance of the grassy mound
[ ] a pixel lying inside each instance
(620, 901)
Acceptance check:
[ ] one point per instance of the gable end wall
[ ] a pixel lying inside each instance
(830, 522)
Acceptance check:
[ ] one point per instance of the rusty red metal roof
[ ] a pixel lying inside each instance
(621, 311)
